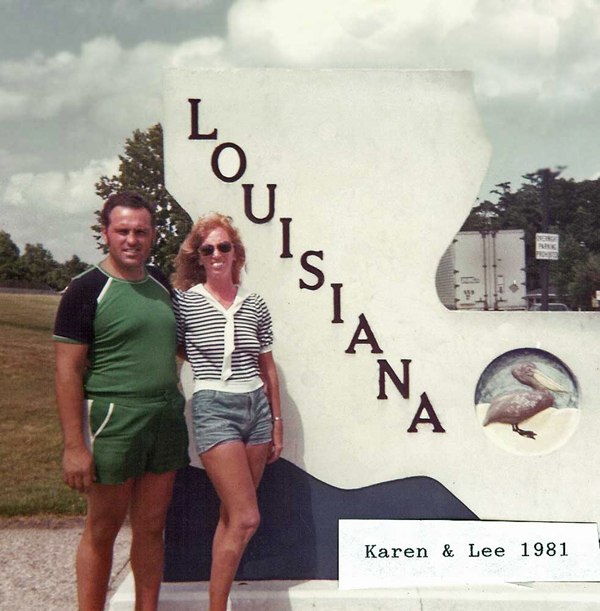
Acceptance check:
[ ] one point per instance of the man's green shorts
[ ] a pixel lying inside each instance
(132, 436)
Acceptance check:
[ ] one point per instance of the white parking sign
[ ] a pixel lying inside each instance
(546, 246)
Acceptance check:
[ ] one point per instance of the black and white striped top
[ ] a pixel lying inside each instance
(223, 345)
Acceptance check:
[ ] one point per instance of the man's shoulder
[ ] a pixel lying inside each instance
(74, 319)
(87, 282)
(88, 275)
(159, 277)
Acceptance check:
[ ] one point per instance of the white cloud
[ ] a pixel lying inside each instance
(115, 86)
(70, 192)
(58, 208)
(201, 52)
(516, 47)
(48, 86)
(11, 103)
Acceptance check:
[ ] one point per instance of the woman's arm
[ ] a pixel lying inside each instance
(268, 372)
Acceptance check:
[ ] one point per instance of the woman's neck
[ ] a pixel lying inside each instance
(223, 292)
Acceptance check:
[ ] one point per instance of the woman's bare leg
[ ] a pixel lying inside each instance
(235, 471)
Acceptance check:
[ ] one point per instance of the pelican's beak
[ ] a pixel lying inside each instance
(549, 383)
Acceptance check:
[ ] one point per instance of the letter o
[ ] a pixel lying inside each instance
(214, 162)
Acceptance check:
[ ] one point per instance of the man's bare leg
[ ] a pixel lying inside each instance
(150, 500)
(107, 509)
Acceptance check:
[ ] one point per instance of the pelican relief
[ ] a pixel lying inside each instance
(515, 407)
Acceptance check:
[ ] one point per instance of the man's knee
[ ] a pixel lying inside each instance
(147, 520)
(103, 531)
(150, 527)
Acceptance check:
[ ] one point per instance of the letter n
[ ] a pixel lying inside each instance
(402, 386)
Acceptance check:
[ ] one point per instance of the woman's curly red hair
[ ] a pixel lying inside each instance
(188, 269)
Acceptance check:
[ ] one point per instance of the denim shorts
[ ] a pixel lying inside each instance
(225, 416)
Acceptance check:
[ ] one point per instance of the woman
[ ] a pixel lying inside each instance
(227, 336)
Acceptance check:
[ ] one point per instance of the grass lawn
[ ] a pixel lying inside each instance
(30, 438)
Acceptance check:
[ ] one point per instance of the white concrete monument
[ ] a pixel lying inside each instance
(347, 187)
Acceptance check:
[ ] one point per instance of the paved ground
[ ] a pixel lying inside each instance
(37, 563)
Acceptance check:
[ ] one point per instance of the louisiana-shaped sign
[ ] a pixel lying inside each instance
(347, 187)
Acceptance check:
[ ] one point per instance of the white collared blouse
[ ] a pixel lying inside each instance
(223, 345)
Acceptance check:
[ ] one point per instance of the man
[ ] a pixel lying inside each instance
(121, 413)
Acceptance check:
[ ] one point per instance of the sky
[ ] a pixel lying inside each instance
(77, 77)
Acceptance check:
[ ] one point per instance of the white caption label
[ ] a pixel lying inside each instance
(395, 553)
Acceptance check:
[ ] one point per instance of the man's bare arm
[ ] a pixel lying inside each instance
(71, 363)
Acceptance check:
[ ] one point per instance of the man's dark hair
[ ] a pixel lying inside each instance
(127, 199)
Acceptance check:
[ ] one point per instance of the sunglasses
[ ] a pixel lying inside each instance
(208, 249)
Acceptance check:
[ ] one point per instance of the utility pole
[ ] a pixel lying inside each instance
(546, 178)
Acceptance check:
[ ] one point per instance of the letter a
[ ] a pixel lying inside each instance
(433, 419)
(363, 325)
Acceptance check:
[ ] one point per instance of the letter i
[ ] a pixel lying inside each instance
(285, 249)
(337, 303)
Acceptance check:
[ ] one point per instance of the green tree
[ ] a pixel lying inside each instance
(9, 259)
(36, 265)
(585, 280)
(142, 170)
(74, 266)
(483, 217)
(574, 214)
(58, 278)
(573, 255)
(63, 273)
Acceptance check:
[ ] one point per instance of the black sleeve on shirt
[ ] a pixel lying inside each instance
(77, 309)
(160, 277)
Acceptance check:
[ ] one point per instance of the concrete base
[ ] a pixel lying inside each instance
(325, 596)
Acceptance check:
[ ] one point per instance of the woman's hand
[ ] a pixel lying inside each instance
(268, 372)
(277, 443)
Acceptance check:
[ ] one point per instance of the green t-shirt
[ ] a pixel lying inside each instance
(129, 328)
